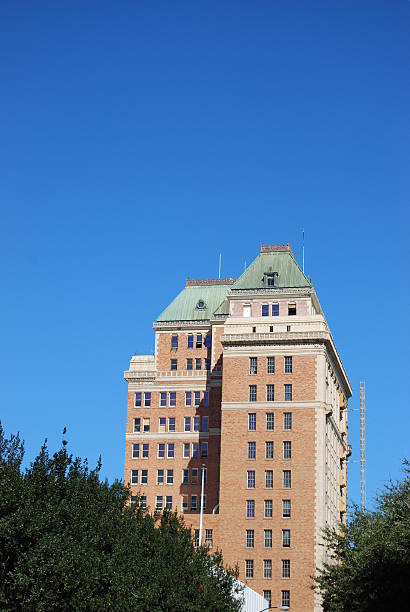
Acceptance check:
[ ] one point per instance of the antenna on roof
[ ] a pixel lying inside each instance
(303, 251)
(220, 257)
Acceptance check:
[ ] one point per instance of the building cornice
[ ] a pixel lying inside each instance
(175, 325)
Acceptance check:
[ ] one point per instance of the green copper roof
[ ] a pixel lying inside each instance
(185, 306)
(282, 262)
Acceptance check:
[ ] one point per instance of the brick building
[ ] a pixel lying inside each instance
(246, 381)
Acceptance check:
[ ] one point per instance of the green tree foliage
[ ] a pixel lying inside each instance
(370, 567)
(71, 542)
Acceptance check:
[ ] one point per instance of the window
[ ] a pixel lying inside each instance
(171, 424)
(205, 399)
(271, 365)
(145, 425)
(137, 401)
(195, 449)
(134, 476)
(188, 398)
(249, 568)
(173, 398)
(254, 330)
(198, 363)
(288, 393)
(174, 341)
(189, 364)
(286, 538)
(190, 341)
(268, 596)
(197, 398)
(204, 449)
(137, 425)
(194, 475)
(250, 508)
(285, 568)
(269, 450)
(145, 451)
(286, 508)
(287, 328)
(287, 420)
(265, 310)
(194, 502)
(171, 450)
(288, 365)
(268, 513)
(161, 423)
(287, 450)
(143, 499)
(207, 341)
(267, 538)
(196, 537)
(205, 423)
(198, 343)
(185, 503)
(161, 450)
(204, 502)
(246, 310)
(196, 421)
(270, 393)
(144, 477)
(267, 568)
(252, 393)
(271, 328)
(186, 450)
(252, 421)
(209, 537)
(268, 479)
(204, 472)
(253, 365)
(291, 308)
(285, 599)
(147, 399)
(207, 363)
(185, 476)
(287, 479)
(174, 364)
(187, 424)
(168, 502)
(163, 399)
(158, 502)
(160, 477)
(170, 477)
(270, 421)
(135, 451)
(251, 450)
(134, 499)
(250, 538)
(270, 279)
(250, 479)
(275, 310)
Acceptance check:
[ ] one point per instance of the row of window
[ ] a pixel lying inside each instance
(208, 537)
(189, 364)
(198, 340)
(270, 365)
(285, 598)
(270, 393)
(268, 508)
(270, 309)
(191, 424)
(193, 450)
(251, 479)
(170, 399)
(270, 421)
(267, 563)
(269, 450)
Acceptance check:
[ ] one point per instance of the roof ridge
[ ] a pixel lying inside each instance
(199, 282)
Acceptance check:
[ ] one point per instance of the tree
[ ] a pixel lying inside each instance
(69, 541)
(370, 556)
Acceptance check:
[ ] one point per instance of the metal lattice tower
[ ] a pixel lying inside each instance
(362, 445)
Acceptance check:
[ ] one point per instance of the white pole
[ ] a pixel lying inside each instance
(202, 503)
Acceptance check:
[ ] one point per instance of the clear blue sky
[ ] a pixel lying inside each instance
(140, 139)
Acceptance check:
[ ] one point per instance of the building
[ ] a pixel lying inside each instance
(246, 380)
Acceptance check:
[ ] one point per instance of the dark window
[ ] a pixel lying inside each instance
(265, 310)
(286, 538)
(251, 450)
(253, 365)
(291, 309)
(287, 450)
(249, 568)
(271, 365)
(198, 364)
(285, 568)
(286, 508)
(288, 365)
(252, 421)
(270, 393)
(135, 451)
(250, 538)
(275, 310)
(270, 421)
(288, 393)
(147, 399)
(207, 363)
(138, 397)
(268, 508)
(173, 398)
(174, 364)
(206, 398)
(174, 341)
(287, 420)
(190, 341)
(134, 476)
(252, 393)
(198, 341)
(137, 425)
(207, 341)
(197, 398)
(163, 398)
(269, 450)
(250, 508)
(188, 398)
(189, 364)
(287, 479)
(286, 599)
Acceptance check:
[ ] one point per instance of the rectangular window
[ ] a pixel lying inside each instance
(204, 449)
(137, 425)
(287, 450)
(252, 421)
(251, 450)
(171, 424)
(285, 568)
(250, 538)
(185, 476)
(173, 399)
(265, 310)
(185, 503)
(198, 363)
(189, 364)
(160, 477)
(268, 508)
(196, 538)
(134, 476)
(145, 425)
(250, 479)
(269, 450)
(207, 363)
(171, 450)
(270, 421)
(170, 477)
(174, 364)
(194, 502)
(204, 502)
(268, 596)
(144, 477)
(174, 341)
(252, 393)
(286, 508)
(188, 398)
(158, 502)
(249, 568)
(143, 501)
(195, 449)
(267, 538)
(168, 502)
(205, 399)
(207, 341)
(145, 451)
(285, 599)
(186, 450)
(161, 450)
(196, 421)
(288, 393)
(162, 423)
(205, 423)
(190, 341)
(287, 482)
(197, 398)
(133, 500)
(198, 343)
(291, 309)
(209, 541)
(147, 399)
(187, 424)
(135, 451)
(163, 399)
(270, 365)
(194, 476)
(250, 508)
(137, 401)
(253, 365)
(287, 420)
(286, 538)
(275, 310)
(288, 365)
(267, 568)
(268, 479)
(270, 393)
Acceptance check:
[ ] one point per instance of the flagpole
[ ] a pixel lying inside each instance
(202, 503)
